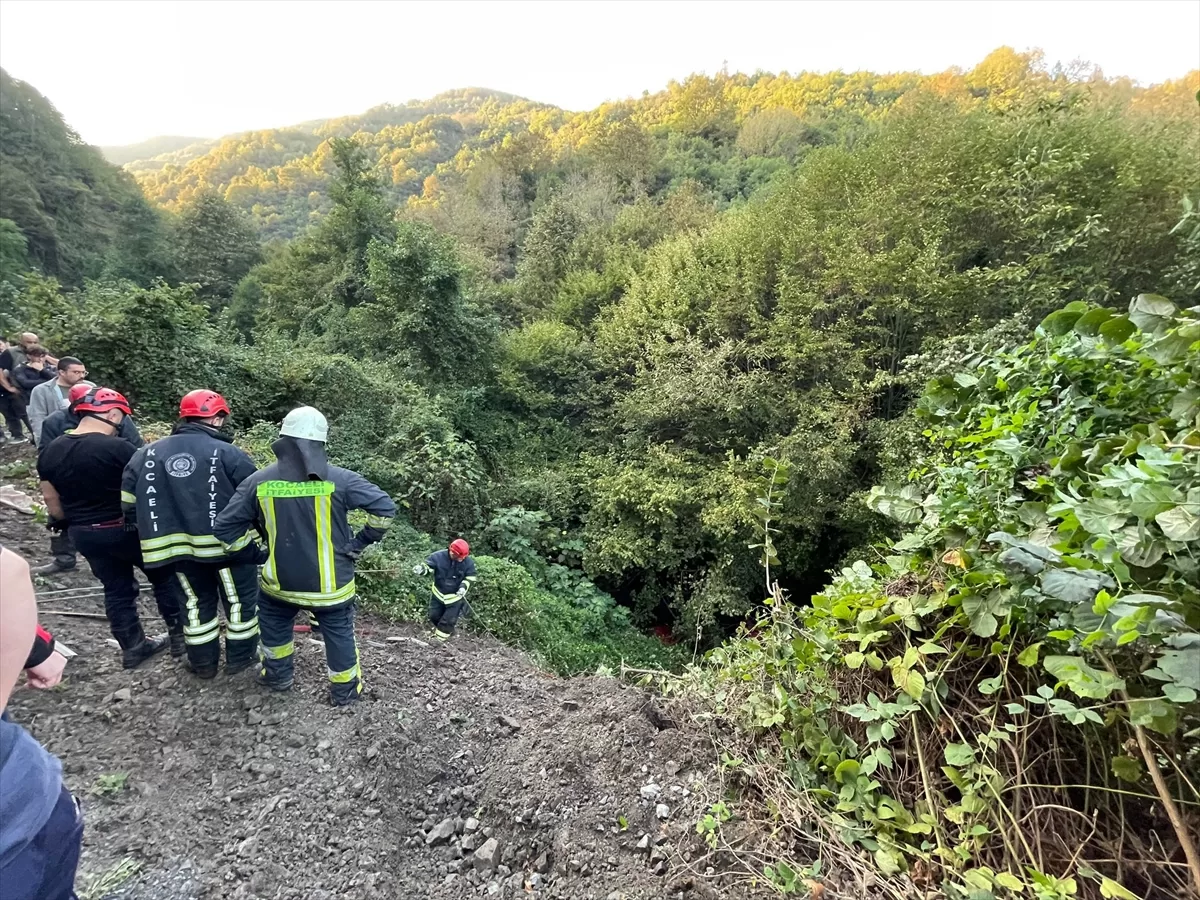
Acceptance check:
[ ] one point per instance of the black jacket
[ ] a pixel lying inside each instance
(27, 378)
(175, 488)
(449, 575)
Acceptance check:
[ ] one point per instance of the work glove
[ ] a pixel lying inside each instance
(419, 569)
(130, 527)
(354, 551)
(461, 592)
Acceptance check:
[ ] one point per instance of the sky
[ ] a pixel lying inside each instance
(121, 72)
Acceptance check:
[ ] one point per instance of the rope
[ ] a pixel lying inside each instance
(83, 593)
(142, 586)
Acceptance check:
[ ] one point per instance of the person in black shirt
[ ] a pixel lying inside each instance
(81, 481)
(57, 424)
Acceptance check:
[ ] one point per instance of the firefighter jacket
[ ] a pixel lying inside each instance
(450, 575)
(174, 488)
(299, 505)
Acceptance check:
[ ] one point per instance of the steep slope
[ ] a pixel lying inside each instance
(465, 771)
(80, 215)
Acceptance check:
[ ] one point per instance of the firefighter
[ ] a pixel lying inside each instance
(81, 482)
(173, 491)
(57, 424)
(298, 504)
(453, 573)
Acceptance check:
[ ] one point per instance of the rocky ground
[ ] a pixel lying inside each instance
(466, 772)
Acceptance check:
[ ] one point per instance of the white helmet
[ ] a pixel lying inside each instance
(307, 423)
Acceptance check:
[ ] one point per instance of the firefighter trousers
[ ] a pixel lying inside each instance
(275, 619)
(444, 616)
(233, 587)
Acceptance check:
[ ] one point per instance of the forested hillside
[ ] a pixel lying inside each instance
(165, 146)
(637, 353)
(80, 217)
(729, 133)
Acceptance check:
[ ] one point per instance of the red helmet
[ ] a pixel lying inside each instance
(102, 400)
(460, 548)
(201, 404)
(78, 392)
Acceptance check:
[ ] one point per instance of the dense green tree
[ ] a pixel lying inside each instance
(324, 273)
(610, 319)
(81, 216)
(14, 256)
(216, 245)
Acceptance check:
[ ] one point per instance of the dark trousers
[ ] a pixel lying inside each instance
(113, 553)
(236, 589)
(45, 868)
(13, 408)
(275, 619)
(444, 616)
(63, 549)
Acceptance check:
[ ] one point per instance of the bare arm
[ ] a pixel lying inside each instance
(6, 383)
(18, 620)
(53, 503)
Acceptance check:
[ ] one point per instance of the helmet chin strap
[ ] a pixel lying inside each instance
(100, 416)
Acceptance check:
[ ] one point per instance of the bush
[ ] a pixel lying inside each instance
(1007, 698)
(507, 603)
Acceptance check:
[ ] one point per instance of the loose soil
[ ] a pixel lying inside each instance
(220, 789)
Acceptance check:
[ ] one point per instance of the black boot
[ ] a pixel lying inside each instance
(136, 648)
(178, 643)
(233, 666)
(275, 683)
(205, 672)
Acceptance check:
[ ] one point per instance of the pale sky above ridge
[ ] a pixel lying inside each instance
(121, 72)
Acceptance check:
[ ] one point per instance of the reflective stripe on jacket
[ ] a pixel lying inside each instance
(449, 575)
(309, 541)
(174, 489)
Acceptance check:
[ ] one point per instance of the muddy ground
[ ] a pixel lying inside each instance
(466, 772)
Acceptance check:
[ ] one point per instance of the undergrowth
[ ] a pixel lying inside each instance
(1003, 701)
(568, 629)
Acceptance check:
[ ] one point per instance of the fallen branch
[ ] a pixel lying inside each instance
(1164, 794)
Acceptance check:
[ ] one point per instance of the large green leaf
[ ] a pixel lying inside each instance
(1075, 585)
(1151, 312)
(959, 754)
(1182, 667)
(1139, 548)
(1149, 498)
(985, 611)
(1102, 516)
(900, 503)
(1089, 323)
(1185, 405)
(1081, 678)
(1183, 522)
(1117, 330)
(1171, 347)
(1060, 322)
